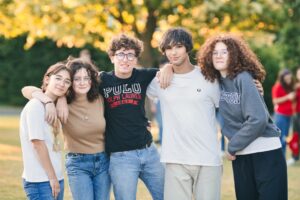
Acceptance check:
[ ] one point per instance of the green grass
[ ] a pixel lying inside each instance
(11, 169)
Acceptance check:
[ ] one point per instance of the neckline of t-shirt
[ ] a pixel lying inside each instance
(186, 74)
(123, 79)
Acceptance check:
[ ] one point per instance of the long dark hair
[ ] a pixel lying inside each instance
(75, 64)
(287, 87)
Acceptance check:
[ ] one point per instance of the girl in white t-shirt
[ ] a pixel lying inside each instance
(42, 174)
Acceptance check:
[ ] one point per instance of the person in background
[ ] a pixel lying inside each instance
(283, 96)
(222, 139)
(254, 146)
(43, 174)
(156, 107)
(85, 55)
(84, 133)
(294, 142)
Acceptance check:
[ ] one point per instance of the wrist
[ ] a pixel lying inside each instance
(52, 176)
(48, 102)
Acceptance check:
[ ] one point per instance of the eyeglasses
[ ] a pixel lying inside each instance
(78, 80)
(220, 53)
(129, 56)
(59, 78)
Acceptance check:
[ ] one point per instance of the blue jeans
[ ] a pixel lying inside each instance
(88, 176)
(42, 190)
(126, 167)
(283, 122)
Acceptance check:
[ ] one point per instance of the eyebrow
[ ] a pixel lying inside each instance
(172, 44)
(62, 77)
(87, 76)
(221, 49)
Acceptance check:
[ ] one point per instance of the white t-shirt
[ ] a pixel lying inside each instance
(34, 126)
(189, 121)
(261, 144)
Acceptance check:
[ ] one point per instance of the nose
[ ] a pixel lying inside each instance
(173, 51)
(219, 54)
(81, 82)
(125, 58)
(62, 83)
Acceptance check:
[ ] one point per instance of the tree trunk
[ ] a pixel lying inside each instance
(148, 58)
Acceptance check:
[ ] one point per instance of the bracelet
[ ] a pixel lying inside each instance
(48, 102)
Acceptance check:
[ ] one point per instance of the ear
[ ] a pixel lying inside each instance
(47, 79)
(111, 59)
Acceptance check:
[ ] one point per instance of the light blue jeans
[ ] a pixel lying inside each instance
(128, 166)
(42, 190)
(88, 176)
(283, 122)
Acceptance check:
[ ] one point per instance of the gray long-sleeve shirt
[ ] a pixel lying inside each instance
(244, 112)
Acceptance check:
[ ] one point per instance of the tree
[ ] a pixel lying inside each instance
(289, 35)
(73, 23)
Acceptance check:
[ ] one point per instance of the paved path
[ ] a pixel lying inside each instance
(10, 111)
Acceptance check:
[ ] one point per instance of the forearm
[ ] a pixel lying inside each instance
(280, 100)
(251, 129)
(243, 138)
(30, 92)
(44, 158)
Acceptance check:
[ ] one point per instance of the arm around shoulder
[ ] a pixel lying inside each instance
(30, 92)
(165, 75)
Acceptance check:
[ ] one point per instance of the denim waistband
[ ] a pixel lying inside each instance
(85, 155)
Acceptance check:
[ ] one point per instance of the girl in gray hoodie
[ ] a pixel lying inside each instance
(254, 146)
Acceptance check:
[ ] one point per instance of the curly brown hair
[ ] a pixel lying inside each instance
(241, 58)
(75, 64)
(126, 42)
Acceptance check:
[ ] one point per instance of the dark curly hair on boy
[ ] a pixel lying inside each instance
(126, 42)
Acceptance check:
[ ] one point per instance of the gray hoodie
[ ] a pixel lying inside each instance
(244, 112)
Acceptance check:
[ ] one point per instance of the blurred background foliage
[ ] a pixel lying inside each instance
(37, 33)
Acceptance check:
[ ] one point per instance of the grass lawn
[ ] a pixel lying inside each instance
(11, 169)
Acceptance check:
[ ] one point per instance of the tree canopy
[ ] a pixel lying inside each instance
(74, 23)
(37, 33)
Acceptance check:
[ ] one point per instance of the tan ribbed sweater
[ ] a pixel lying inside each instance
(85, 127)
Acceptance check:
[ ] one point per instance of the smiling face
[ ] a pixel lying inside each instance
(124, 61)
(81, 82)
(58, 84)
(220, 57)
